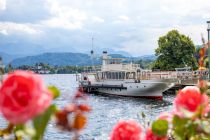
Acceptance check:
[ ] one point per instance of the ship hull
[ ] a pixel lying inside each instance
(145, 89)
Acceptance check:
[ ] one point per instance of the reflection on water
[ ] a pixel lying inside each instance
(106, 110)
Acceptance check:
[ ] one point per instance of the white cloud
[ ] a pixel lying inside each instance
(194, 32)
(7, 28)
(2, 4)
(145, 41)
(97, 19)
(185, 7)
(121, 19)
(58, 22)
(131, 46)
(124, 18)
(64, 17)
(4, 32)
(131, 25)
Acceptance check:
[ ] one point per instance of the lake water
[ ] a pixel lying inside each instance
(106, 110)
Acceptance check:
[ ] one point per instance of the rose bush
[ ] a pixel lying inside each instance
(189, 119)
(23, 96)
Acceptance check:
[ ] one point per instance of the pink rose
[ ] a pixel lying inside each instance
(150, 136)
(126, 130)
(166, 116)
(189, 99)
(207, 109)
(23, 96)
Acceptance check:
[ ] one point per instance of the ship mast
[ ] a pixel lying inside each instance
(92, 55)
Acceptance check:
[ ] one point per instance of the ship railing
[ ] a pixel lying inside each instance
(126, 67)
(91, 69)
(166, 75)
(174, 75)
(130, 66)
(111, 67)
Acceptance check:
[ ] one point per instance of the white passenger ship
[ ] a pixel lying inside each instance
(117, 78)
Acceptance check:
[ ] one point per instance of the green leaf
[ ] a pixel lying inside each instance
(41, 121)
(184, 128)
(179, 127)
(55, 91)
(160, 127)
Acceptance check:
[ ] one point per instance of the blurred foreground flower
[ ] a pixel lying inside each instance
(73, 117)
(23, 96)
(126, 130)
(189, 101)
(151, 136)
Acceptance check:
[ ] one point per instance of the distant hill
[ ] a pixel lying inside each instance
(117, 56)
(7, 58)
(70, 59)
(99, 51)
(55, 59)
(148, 57)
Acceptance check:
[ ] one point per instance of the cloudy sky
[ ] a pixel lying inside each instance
(133, 26)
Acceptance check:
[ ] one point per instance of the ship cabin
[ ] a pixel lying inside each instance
(114, 69)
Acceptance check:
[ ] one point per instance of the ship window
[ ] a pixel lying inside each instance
(123, 75)
(112, 75)
(120, 75)
(109, 75)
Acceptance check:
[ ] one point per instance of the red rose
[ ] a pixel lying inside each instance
(189, 99)
(23, 96)
(126, 130)
(150, 136)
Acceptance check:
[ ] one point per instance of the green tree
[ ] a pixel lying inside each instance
(175, 50)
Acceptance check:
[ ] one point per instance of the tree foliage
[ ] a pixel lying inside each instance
(175, 50)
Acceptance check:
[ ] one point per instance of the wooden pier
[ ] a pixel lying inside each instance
(181, 84)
